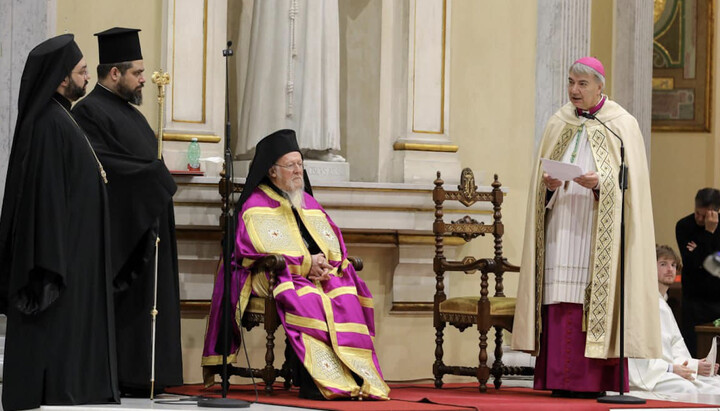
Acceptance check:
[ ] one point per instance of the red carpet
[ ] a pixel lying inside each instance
(423, 397)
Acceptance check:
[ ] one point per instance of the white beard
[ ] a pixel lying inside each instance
(297, 198)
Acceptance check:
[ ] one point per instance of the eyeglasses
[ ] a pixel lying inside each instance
(82, 73)
(291, 166)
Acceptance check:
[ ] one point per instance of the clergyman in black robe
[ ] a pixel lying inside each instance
(141, 207)
(55, 276)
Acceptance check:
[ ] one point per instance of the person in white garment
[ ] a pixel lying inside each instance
(676, 371)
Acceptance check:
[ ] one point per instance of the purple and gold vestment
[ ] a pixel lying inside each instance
(330, 325)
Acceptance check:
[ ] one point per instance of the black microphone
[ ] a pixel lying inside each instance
(623, 167)
(228, 51)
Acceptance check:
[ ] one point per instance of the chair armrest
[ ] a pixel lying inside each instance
(468, 265)
(507, 267)
(269, 263)
(356, 262)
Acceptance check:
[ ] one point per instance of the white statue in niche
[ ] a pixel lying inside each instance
(291, 78)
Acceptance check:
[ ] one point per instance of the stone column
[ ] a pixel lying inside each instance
(632, 61)
(23, 24)
(563, 36)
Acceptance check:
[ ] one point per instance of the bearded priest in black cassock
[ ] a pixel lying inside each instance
(55, 276)
(141, 207)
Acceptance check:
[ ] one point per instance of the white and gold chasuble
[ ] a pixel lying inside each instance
(642, 335)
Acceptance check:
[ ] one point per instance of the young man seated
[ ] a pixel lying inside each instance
(676, 371)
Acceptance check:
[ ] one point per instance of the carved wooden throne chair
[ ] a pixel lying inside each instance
(484, 311)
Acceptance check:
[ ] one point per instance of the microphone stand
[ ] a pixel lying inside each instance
(228, 243)
(620, 399)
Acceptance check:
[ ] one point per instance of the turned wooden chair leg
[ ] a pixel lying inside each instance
(483, 373)
(437, 366)
(498, 364)
(269, 370)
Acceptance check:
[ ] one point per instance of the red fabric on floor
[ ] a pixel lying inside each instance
(420, 397)
(514, 399)
(290, 398)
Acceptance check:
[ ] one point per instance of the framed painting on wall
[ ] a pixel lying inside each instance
(682, 65)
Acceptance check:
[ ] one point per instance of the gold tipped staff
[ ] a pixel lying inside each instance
(161, 79)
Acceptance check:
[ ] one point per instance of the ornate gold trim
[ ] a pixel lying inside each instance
(366, 302)
(411, 306)
(357, 328)
(442, 148)
(409, 239)
(345, 290)
(203, 138)
(663, 83)
(666, 28)
(306, 322)
(706, 126)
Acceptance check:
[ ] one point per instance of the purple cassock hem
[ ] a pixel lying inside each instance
(562, 365)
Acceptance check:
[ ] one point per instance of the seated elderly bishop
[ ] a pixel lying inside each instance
(325, 308)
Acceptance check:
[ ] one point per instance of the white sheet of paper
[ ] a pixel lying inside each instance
(561, 171)
(712, 355)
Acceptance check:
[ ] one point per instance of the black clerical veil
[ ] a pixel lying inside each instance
(267, 152)
(46, 67)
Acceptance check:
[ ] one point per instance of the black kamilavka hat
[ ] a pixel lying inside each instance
(119, 44)
(267, 152)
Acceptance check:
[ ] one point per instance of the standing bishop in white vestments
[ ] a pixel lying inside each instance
(676, 371)
(568, 295)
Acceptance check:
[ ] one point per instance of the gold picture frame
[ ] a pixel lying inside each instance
(682, 65)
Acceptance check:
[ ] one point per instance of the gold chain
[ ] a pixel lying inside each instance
(100, 167)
